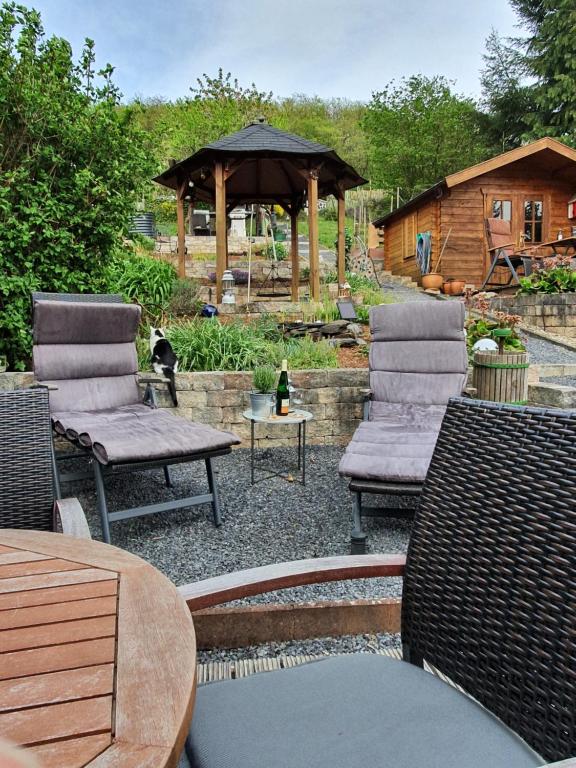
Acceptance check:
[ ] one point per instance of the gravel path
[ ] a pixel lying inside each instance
(543, 351)
(271, 521)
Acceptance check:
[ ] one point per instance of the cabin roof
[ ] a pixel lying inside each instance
(553, 153)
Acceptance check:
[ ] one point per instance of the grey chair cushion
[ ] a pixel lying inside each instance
(135, 433)
(389, 453)
(359, 711)
(68, 322)
(418, 321)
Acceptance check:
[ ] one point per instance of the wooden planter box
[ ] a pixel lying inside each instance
(501, 377)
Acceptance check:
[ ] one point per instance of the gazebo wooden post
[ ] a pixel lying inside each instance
(221, 234)
(313, 235)
(181, 229)
(341, 256)
(295, 256)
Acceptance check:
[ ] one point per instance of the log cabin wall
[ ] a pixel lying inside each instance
(463, 209)
(400, 239)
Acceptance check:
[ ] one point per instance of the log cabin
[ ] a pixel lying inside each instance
(531, 186)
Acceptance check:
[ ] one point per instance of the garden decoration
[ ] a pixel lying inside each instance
(501, 375)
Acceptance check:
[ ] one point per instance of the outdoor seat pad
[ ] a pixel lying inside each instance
(389, 452)
(133, 433)
(356, 711)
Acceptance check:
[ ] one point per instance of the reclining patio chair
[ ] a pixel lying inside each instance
(27, 490)
(417, 362)
(489, 602)
(85, 353)
(503, 253)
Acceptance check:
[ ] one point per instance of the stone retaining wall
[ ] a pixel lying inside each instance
(334, 396)
(555, 313)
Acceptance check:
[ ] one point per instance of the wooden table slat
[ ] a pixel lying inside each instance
(19, 556)
(42, 724)
(71, 753)
(129, 755)
(59, 595)
(4, 548)
(45, 565)
(53, 634)
(56, 687)
(56, 612)
(57, 657)
(44, 580)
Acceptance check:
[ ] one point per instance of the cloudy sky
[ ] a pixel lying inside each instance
(345, 48)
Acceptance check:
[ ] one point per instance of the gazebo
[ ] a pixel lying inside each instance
(262, 164)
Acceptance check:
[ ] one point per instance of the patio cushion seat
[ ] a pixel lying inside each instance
(134, 433)
(355, 711)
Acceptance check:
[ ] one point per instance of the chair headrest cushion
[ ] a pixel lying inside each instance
(68, 322)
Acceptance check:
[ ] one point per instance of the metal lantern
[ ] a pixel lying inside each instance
(228, 288)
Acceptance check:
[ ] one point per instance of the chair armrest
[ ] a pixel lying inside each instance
(267, 578)
(72, 518)
(499, 247)
(366, 399)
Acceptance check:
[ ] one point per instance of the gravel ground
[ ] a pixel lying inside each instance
(543, 351)
(566, 381)
(269, 522)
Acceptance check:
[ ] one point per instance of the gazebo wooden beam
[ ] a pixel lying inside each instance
(341, 254)
(294, 255)
(313, 234)
(221, 229)
(181, 229)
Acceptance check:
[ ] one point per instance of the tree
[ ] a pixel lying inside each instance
(506, 94)
(419, 131)
(551, 60)
(71, 165)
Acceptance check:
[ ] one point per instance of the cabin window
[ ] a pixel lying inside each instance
(533, 215)
(409, 236)
(502, 209)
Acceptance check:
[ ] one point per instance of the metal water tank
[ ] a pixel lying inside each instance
(144, 224)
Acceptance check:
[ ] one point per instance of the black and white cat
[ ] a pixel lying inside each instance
(164, 361)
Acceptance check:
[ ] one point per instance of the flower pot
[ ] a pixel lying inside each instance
(260, 403)
(432, 281)
(454, 287)
(501, 377)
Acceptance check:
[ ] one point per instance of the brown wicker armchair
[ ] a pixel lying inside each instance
(489, 601)
(27, 490)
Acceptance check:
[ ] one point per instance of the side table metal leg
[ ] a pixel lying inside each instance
(252, 450)
(303, 453)
(299, 444)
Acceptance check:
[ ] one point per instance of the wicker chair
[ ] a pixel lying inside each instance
(489, 601)
(27, 495)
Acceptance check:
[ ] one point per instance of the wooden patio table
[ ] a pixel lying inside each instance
(97, 654)
(565, 246)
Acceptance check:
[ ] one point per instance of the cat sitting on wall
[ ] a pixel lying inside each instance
(164, 361)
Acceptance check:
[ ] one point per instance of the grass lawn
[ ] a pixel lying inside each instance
(327, 230)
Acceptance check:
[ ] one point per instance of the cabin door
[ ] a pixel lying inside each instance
(528, 213)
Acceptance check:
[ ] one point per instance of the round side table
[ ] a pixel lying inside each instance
(296, 416)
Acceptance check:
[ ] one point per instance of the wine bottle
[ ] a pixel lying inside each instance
(282, 392)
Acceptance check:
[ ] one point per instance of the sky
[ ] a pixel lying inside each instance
(329, 48)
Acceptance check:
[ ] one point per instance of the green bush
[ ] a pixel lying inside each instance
(281, 251)
(143, 279)
(185, 298)
(71, 167)
(560, 279)
(306, 353)
(208, 345)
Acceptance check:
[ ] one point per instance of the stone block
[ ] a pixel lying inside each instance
(206, 381)
(206, 415)
(318, 410)
(345, 427)
(328, 394)
(309, 379)
(225, 397)
(347, 377)
(554, 395)
(192, 399)
(240, 380)
(318, 428)
(233, 415)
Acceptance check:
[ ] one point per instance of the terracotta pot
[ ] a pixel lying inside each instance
(454, 287)
(433, 281)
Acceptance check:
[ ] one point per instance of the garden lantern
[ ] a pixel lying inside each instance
(228, 288)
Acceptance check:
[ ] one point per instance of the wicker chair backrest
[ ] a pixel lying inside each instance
(26, 479)
(490, 591)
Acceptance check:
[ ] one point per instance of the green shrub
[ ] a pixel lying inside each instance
(185, 298)
(71, 167)
(559, 279)
(143, 279)
(264, 379)
(208, 345)
(281, 251)
(306, 353)
(143, 243)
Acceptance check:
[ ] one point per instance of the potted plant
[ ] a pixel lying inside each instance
(264, 381)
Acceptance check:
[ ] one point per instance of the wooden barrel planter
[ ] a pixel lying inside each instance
(502, 377)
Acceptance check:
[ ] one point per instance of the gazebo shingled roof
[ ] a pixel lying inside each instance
(262, 164)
